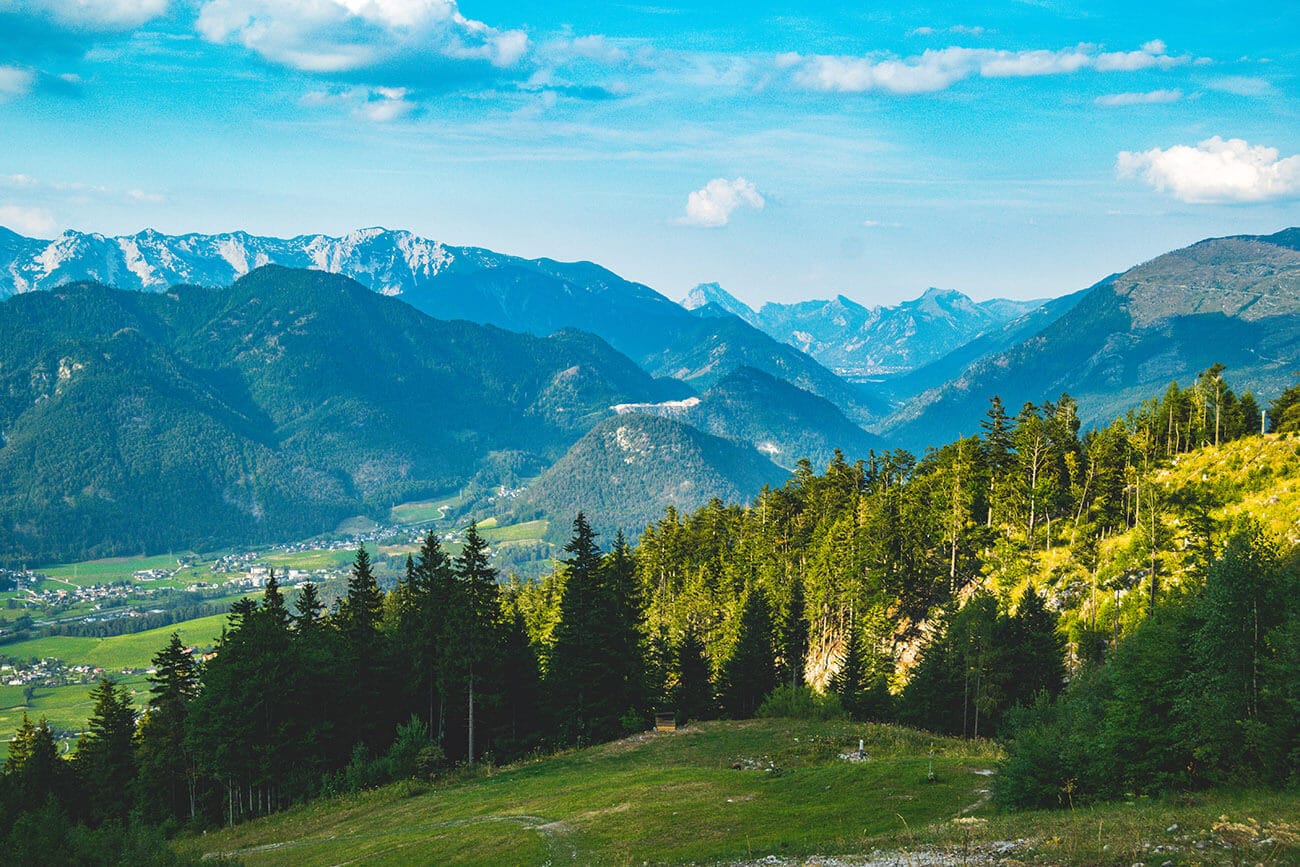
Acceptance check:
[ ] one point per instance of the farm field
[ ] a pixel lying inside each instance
(118, 651)
(67, 707)
(117, 569)
(423, 511)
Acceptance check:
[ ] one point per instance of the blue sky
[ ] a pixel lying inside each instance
(786, 151)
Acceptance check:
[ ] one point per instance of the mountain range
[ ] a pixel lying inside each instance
(268, 410)
(534, 296)
(161, 391)
(1232, 300)
(857, 341)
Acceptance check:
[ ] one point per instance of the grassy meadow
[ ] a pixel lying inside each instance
(678, 798)
(671, 797)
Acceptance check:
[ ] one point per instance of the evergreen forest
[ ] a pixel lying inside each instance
(1048, 588)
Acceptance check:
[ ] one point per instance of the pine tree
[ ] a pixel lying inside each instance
(627, 645)
(579, 675)
(1246, 597)
(795, 634)
(105, 755)
(750, 673)
(1036, 653)
(473, 639)
(168, 775)
(850, 681)
(311, 611)
(694, 695)
(358, 620)
(521, 685)
(33, 770)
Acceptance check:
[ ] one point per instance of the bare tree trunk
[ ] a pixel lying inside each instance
(471, 715)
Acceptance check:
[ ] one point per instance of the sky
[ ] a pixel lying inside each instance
(786, 151)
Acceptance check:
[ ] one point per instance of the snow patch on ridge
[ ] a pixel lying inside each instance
(666, 408)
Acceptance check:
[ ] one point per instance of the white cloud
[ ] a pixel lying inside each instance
(90, 14)
(145, 197)
(378, 104)
(1112, 100)
(713, 204)
(1215, 171)
(334, 36)
(597, 48)
(960, 29)
(1241, 85)
(36, 222)
(939, 69)
(15, 81)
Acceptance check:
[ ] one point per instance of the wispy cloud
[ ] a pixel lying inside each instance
(957, 29)
(939, 69)
(90, 15)
(377, 104)
(712, 205)
(392, 38)
(15, 81)
(36, 222)
(71, 192)
(1241, 85)
(1150, 97)
(1215, 171)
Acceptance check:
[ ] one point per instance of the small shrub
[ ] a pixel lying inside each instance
(632, 722)
(801, 702)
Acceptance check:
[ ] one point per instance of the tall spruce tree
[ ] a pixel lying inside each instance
(750, 672)
(33, 771)
(794, 651)
(473, 643)
(105, 754)
(358, 620)
(694, 694)
(579, 673)
(168, 775)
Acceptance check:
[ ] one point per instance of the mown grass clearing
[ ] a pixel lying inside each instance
(673, 797)
(423, 511)
(310, 560)
(528, 530)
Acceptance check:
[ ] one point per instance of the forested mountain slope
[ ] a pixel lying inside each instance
(1233, 300)
(269, 409)
(534, 296)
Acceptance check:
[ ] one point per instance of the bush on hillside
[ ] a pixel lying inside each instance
(801, 702)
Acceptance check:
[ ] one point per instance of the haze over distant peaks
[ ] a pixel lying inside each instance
(1234, 301)
(858, 341)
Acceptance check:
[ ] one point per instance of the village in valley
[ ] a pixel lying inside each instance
(63, 627)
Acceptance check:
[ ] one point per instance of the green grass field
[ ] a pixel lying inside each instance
(119, 651)
(68, 707)
(420, 512)
(661, 798)
(309, 560)
(110, 570)
(528, 530)
(675, 798)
